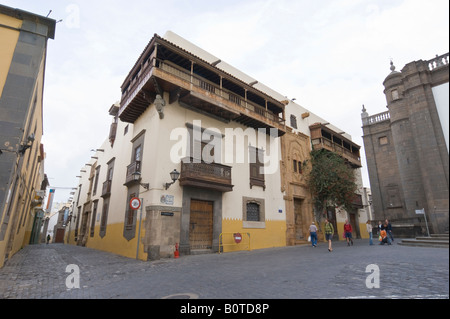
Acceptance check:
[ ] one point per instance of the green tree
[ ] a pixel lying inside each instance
(331, 181)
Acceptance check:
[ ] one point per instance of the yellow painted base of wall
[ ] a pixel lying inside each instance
(2, 253)
(273, 235)
(114, 242)
(21, 239)
(362, 230)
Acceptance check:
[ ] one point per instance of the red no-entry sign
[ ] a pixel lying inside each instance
(135, 203)
(237, 238)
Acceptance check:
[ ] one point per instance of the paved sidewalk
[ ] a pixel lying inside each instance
(301, 272)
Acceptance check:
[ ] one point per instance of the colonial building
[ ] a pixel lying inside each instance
(199, 157)
(407, 148)
(23, 52)
(296, 146)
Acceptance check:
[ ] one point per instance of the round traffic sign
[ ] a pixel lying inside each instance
(135, 203)
(237, 238)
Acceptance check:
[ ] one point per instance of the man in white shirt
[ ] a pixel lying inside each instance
(313, 234)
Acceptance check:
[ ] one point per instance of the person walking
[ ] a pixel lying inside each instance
(369, 230)
(329, 232)
(48, 238)
(313, 234)
(348, 232)
(389, 229)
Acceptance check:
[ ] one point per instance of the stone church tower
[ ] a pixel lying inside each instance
(407, 148)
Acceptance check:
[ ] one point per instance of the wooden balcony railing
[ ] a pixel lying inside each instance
(145, 73)
(132, 168)
(219, 91)
(357, 201)
(319, 143)
(213, 176)
(106, 189)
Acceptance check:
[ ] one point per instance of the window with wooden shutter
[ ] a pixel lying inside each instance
(256, 167)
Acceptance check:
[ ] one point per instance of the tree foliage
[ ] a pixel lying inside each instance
(331, 181)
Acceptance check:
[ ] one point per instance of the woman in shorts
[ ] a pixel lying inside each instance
(329, 232)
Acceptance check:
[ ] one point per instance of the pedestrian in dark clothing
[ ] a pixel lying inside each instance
(389, 230)
(48, 238)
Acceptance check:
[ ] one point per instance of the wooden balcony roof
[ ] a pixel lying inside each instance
(164, 66)
(326, 138)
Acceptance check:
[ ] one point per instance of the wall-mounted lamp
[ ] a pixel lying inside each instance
(174, 175)
(29, 143)
(137, 179)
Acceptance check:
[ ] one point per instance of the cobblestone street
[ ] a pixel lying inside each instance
(301, 272)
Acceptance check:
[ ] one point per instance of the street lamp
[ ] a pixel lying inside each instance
(24, 147)
(174, 175)
(137, 178)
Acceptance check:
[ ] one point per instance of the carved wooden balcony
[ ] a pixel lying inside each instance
(212, 176)
(325, 138)
(106, 189)
(131, 169)
(198, 85)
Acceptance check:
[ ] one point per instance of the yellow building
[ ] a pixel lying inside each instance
(23, 38)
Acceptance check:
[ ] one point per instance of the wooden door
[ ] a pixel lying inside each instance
(298, 219)
(201, 225)
(59, 237)
(83, 231)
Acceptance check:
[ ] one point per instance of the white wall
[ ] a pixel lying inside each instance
(441, 97)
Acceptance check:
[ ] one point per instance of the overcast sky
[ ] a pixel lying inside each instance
(331, 55)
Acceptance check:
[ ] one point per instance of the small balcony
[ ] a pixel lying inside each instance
(200, 174)
(357, 201)
(106, 189)
(112, 133)
(132, 168)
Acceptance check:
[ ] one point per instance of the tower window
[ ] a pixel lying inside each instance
(395, 95)
(293, 121)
